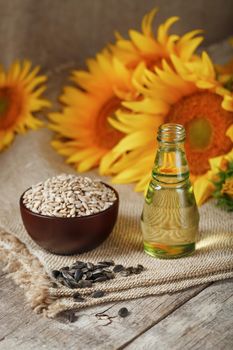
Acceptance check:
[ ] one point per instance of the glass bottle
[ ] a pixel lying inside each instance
(170, 216)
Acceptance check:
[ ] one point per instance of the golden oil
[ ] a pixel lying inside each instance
(170, 217)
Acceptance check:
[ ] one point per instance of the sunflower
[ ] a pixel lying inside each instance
(187, 94)
(20, 97)
(84, 132)
(151, 49)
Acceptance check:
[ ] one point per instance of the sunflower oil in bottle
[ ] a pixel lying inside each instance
(170, 216)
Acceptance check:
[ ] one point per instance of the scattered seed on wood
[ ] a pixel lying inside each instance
(123, 312)
(71, 317)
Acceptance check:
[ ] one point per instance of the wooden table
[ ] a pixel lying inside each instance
(198, 318)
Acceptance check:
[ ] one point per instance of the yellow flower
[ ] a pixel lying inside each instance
(228, 187)
(84, 130)
(19, 99)
(84, 133)
(227, 103)
(149, 48)
(188, 94)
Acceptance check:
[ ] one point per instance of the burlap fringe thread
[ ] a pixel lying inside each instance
(27, 272)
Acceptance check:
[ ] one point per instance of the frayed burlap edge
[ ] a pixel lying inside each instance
(27, 272)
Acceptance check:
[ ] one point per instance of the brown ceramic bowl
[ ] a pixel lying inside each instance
(70, 235)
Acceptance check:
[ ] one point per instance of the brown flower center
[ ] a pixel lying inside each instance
(206, 123)
(10, 106)
(107, 136)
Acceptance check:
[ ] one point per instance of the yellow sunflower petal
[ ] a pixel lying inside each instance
(147, 22)
(227, 103)
(203, 188)
(163, 29)
(20, 96)
(148, 106)
(229, 132)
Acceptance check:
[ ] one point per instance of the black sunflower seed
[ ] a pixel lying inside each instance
(79, 299)
(76, 295)
(84, 284)
(125, 273)
(90, 266)
(123, 312)
(140, 267)
(55, 273)
(85, 269)
(110, 275)
(97, 273)
(110, 262)
(78, 275)
(118, 268)
(88, 275)
(130, 269)
(71, 317)
(106, 263)
(98, 294)
(65, 268)
(79, 264)
(67, 275)
(101, 279)
(69, 283)
(136, 271)
(101, 265)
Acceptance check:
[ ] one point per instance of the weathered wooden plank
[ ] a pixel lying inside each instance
(204, 322)
(22, 329)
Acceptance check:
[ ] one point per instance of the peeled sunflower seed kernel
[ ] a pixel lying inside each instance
(68, 196)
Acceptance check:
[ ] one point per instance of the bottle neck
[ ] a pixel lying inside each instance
(170, 166)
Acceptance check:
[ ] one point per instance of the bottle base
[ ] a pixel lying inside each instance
(166, 251)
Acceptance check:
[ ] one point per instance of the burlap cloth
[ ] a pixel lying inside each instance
(31, 159)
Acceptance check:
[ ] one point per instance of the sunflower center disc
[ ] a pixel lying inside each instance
(10, 106)
(200, 132)
(107, 135)
(206, 123)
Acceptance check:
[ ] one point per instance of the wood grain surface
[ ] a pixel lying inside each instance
(198, 318)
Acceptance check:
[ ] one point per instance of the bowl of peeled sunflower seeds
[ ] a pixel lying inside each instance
(68, 214)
